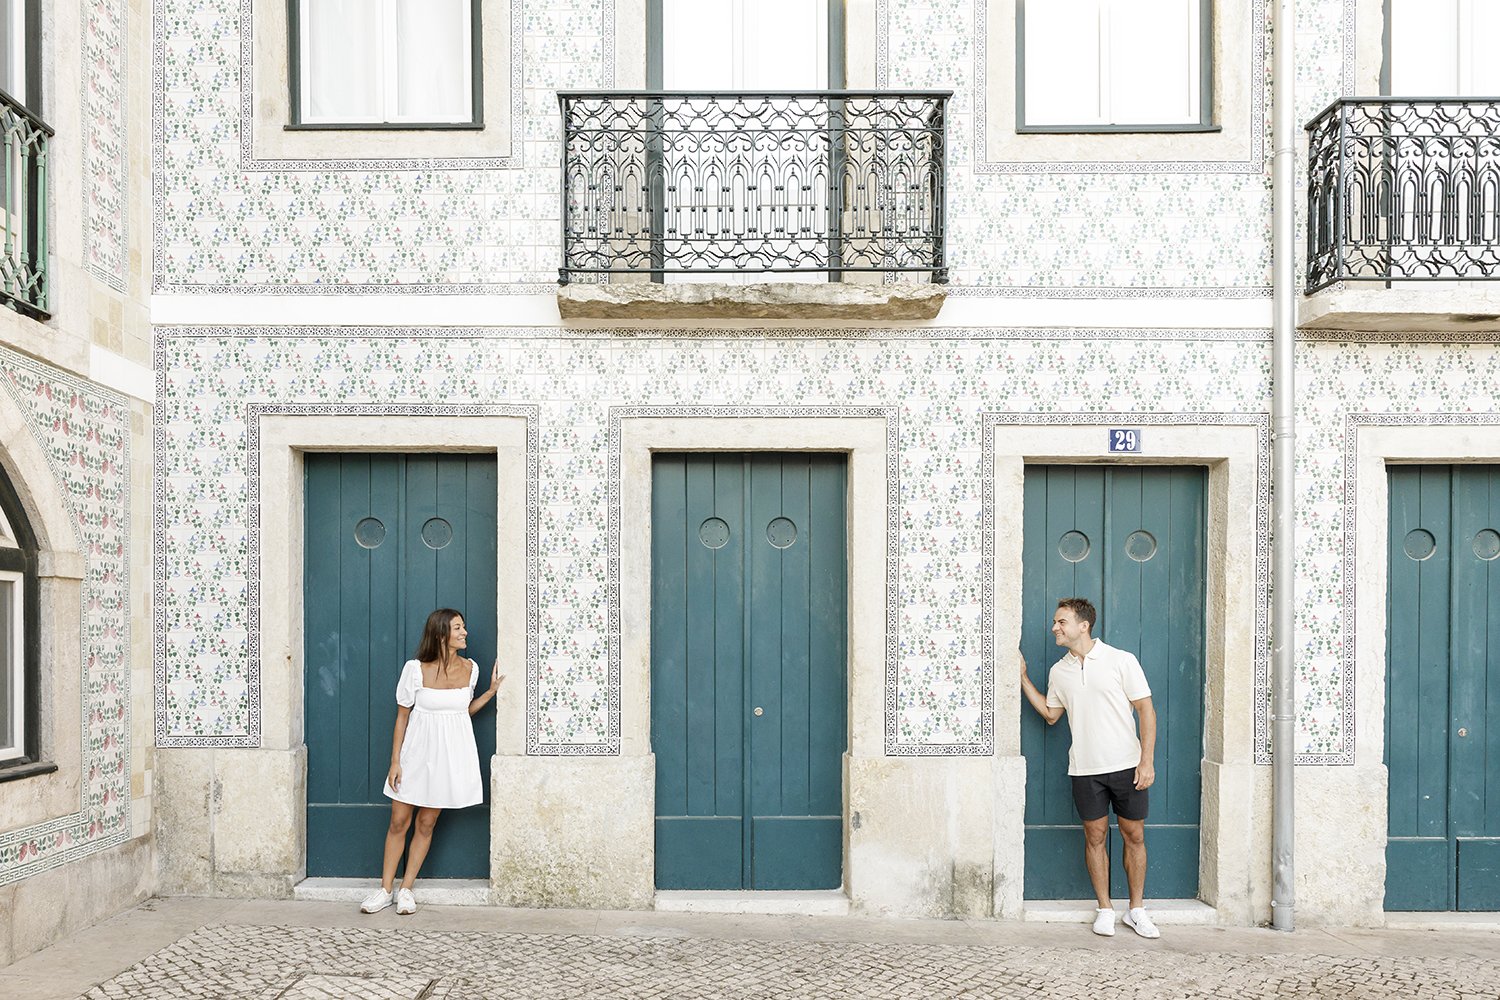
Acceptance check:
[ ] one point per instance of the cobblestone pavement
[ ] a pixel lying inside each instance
(251, 962)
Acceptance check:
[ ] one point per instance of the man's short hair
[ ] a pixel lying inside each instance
(1082, 608)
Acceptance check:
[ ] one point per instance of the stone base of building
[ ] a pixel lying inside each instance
(45, 908)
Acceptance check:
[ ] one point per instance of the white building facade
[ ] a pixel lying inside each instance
(354, 309)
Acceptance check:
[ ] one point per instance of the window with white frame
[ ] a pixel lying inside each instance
(17, 579)
(1443, 48)
(1114, 65)
(385, 63)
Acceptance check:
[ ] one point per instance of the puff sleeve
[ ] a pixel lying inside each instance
(473, 676)
(406, 687)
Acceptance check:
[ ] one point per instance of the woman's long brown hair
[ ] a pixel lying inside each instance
(435, 635)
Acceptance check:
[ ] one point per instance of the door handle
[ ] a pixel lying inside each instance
(759, 710)
(1462, 731)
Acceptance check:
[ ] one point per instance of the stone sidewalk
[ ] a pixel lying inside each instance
(212, 949)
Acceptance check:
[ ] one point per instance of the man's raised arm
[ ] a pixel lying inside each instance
(1037, 699)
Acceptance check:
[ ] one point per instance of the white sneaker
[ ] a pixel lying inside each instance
(405, 902)
(375, 902)
(1141, 922)
(1104, 922)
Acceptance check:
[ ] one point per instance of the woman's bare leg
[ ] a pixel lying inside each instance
(395, 842)
(421, 840)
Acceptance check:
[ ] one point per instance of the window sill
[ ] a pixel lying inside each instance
(25, 769)
(1114, 129)
(1434, 307)
(641, 300)
(384, 127)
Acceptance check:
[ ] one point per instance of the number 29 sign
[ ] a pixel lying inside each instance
(1125, 440)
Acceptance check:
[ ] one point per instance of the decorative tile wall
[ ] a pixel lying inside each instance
(219, 227)
(106, 154)
(934, 389)
(85, 433)
(939, 391)
(1385, 379)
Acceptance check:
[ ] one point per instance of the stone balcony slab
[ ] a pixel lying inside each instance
(643, 300)
(1403, 307)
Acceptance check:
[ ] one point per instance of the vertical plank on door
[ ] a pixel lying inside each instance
(728, 616)
(387, 648)
(1418, 852)
(827, 637)
(764, 646)
(1476, 603)
(354, 652)
(321, 655)
(699, 817)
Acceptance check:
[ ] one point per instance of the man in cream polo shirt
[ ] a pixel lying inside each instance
(1102, 689)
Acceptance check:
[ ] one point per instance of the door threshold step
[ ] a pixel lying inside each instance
(429, 892)
(1168, 912)
(1442, 920)
(808, 903)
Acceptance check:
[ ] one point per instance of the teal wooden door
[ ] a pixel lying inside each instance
(748, 670)
(1442, 683)
(1131, 540)
(387, 539)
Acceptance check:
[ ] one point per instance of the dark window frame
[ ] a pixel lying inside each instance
(294, 84)
(24, 561)
(1206, 68)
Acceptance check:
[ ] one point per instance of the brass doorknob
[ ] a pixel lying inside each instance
(759, 710)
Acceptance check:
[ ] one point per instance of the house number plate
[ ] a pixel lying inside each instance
(1125, 440)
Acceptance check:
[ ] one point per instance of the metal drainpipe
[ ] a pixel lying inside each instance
(1283, 469)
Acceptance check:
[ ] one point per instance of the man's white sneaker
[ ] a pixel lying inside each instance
(375, 901)
(405, 902)
(1104, 922)
(1140, 921)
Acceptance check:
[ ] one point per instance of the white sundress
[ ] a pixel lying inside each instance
(439, 758)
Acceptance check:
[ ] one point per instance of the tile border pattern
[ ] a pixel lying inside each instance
(249, 161)
(88, 466)
(106, 155)
(1254, 165)
(627, 333)
(253, 413)
(1262, 423)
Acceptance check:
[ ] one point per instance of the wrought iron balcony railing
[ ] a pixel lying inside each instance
(662, 183)
(23, 208)
(1404, 189)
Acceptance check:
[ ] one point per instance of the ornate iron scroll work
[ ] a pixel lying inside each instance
(659, 182)
(1403, 190)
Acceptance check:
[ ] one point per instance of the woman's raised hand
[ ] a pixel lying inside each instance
(495, 676)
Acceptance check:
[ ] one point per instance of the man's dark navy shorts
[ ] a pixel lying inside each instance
(1094, 794)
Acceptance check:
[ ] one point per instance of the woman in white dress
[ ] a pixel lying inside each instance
(434, 760)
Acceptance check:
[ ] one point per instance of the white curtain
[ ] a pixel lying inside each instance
(433, 60)
(341, 60)
(13, 49)
(1443, 48)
